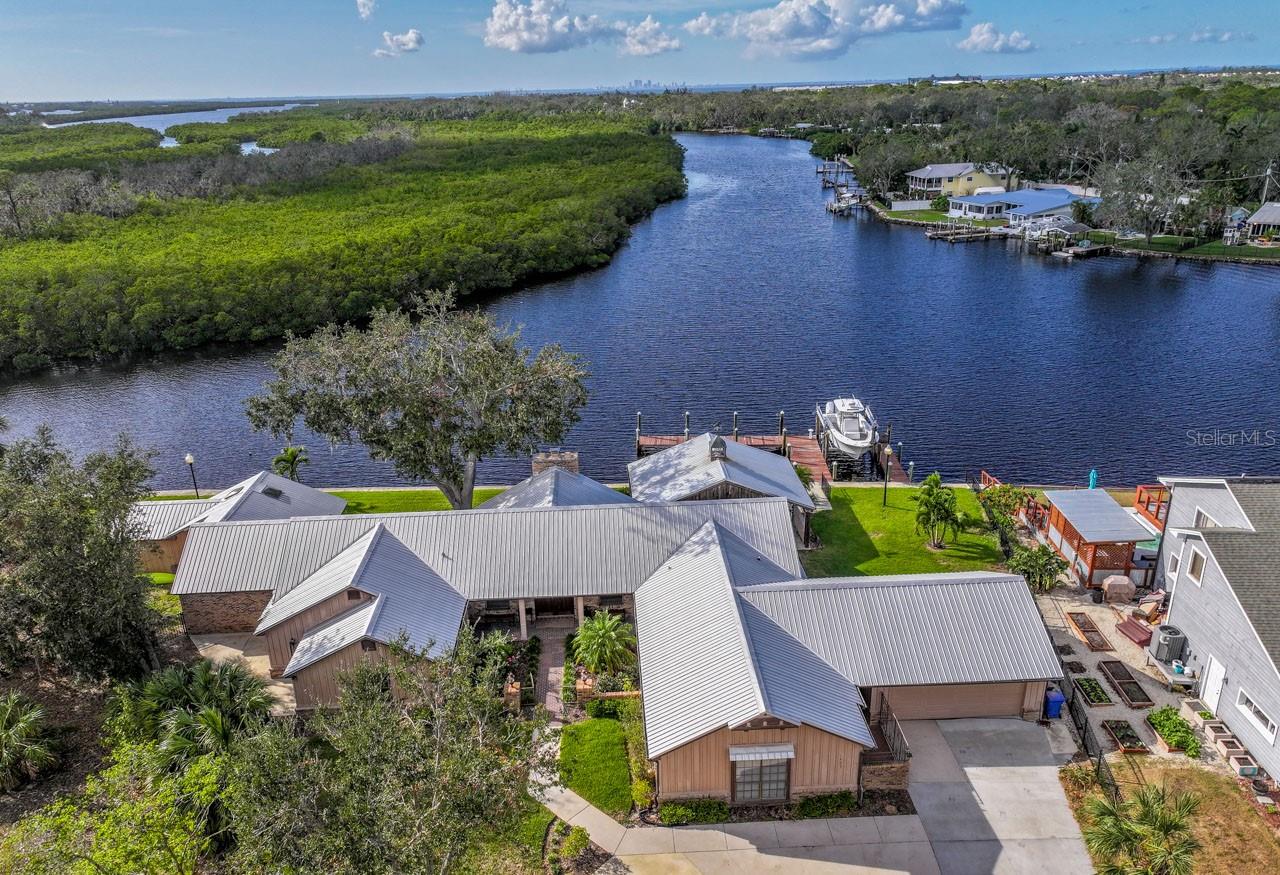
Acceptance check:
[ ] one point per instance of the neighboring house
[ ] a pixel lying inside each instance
(1018, 207)
(958, 179)
(1220, 558)
(264, 496)
(556, 487)
(760, 689)
(1095, 535)
(711, 466)
(1264, 225)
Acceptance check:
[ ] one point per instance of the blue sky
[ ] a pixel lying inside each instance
(113, 49)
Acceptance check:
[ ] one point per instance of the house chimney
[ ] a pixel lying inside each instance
(719, 451)
(555, 458)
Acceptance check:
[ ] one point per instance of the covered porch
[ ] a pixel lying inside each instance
(519, 617)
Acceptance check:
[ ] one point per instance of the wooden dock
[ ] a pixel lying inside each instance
(961, 234)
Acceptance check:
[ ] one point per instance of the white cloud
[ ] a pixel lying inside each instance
(1155, 39)
(1217, 35)
(396, 44)
(542, 26)
(984, 37)
(364, 8)
(825, 28)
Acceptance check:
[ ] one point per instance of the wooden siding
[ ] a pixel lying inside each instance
(725, 491)
(824, 763)
(943, 701)
(292, 629)
(218, 613)
(162, 556)
(316, 686)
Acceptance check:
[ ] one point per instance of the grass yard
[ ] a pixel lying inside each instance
(593, 763)
(519, 853)
(1233, 835)
(1221, 250)
(161, 599)
(406, 500)
(939, 216)
(859, 537)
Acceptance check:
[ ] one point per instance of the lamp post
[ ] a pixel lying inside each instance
(888, 466)
(191, 463)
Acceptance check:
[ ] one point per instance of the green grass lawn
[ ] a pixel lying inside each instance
(406, 500)
(859, 537)
(164, 603)
(939, 216)
(519, 853)
(1221, 250)
(593, 763)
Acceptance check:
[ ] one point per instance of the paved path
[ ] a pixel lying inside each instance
(988, 797)
(551, 670)
(252, 649)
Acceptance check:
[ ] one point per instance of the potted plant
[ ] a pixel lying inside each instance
(1194, 712)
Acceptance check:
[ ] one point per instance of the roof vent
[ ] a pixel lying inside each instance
(272, 492)
(719, 452)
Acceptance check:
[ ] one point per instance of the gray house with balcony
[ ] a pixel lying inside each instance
(1220, 559)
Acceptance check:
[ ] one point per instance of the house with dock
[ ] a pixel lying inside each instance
(759, 685)
(1019, 208)
(959, 179)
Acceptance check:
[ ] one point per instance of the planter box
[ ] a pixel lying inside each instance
(1243, 765)
(1229, 747)
(1190, 711)
(1085, 696)
(1115, 728)
(1215, 729)
(1162, 745)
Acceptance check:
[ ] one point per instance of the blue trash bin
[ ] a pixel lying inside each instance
(1053, 701)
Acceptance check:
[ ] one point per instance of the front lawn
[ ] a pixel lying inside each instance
(938, 216)
(859, 537)
(519, 853)
(593, 763)
(406, 500)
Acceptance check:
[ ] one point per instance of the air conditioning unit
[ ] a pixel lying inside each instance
(1170, 643)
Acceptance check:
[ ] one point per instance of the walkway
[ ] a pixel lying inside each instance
(551, 664)
(252, 649)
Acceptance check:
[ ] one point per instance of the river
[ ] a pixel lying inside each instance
(163, 121)
(747, 296)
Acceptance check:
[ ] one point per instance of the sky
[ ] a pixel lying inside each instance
(172, 49)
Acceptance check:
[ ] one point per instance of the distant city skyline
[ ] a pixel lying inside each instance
(155, 49)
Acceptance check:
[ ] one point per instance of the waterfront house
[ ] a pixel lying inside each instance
(556, 487)
(1219, 559)
(964, 178)
(1019, 208)
(1095, 535)
(264, 496)
(1263, 227)
(711, 466)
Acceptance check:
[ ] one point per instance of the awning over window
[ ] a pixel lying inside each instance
(745, 752)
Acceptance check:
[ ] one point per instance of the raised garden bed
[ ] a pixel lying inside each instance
(1175, 733)
(1093, 692)
(1216, 729)
(1089, 631)
(1125, 736)
(1229, 747)
(1194, 712)
(1124, 683)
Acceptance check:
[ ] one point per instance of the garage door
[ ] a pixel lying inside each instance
(957, 700)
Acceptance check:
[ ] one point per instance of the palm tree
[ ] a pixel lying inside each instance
(936, 511)
(287, 461)
(25, 748)
(1149, 834)
(604, 643)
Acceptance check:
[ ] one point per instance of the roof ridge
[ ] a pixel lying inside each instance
(378, 601)
(376, 532)
(884, 581)
(744, 631)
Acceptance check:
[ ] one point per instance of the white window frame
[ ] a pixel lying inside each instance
(1195, 520)
(1268, 729)
(1204, 562)
(1174, 563)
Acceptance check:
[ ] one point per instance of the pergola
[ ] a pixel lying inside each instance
(1095, 535)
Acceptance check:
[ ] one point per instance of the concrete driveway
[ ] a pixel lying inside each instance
(987, 793)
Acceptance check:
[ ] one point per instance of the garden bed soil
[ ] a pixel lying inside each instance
(1125, 736)
(1092, 701)
(1076, 667)
(1125, 684)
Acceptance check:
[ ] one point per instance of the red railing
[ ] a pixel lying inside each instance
(1152, 503)
(986, 480)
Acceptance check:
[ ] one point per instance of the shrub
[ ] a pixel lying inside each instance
(805, 475)
(642, 793)
(694, 811)
(1078, 776)
(602, 708)
(1040, 566)
(568, 692)
(1176, 731)
(940, 204)
(604, 643)
(827, 805)
(575, 844)
(25, 746)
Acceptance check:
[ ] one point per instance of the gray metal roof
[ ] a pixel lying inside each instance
(690, 467)
(1267, 214)
(1097, 516)
(970, 627)
(556, 487)
(332, 635)
(489, 554)
(935, 170)
(708, 662)
(337, 575)
(163, 519)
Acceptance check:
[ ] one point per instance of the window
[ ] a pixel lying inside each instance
(1256, 715)
(1203, 521)
(369, 646)
(1195, 568)
(353, 595)
(761, 780)
(1175, 560)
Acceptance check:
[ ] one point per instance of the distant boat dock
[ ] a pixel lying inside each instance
(849, 193)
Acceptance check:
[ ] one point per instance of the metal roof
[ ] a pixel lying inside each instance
(556, 487)
(971, 627)
(1267, 214)
(338, 574)
(489, 554)
(163, 519)
(1097, 516)
(690, 467)
(332, 635)
(708, 662)
(935, 170)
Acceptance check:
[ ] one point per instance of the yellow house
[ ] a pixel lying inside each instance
(958, 180)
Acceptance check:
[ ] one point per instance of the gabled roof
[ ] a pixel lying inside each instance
(933, 170)
(688, 468)
(965, 627)
(1097, 516)
(1267, 214)
(332, 635)
(556, 487)
(707, 661)
(488, 554)
(337, 575)
(264, 496)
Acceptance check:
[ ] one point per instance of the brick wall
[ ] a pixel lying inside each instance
(217, 612)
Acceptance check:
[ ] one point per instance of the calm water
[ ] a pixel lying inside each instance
(747, 296)
(164, 121)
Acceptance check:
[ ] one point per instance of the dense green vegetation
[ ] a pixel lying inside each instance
(480, 205)
(27, 149)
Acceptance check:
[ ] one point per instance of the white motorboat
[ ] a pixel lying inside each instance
(849, 425)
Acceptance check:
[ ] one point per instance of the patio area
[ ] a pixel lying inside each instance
(253, 650)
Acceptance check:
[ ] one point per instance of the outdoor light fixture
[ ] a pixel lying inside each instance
(191, 463)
